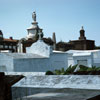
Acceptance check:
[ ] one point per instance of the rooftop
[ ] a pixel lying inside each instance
(23, 55)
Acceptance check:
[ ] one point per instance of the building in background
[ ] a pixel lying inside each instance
(7, 45)
(20, 46)
(35, 53)
(81, 44)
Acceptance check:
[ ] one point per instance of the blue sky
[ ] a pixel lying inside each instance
(64, 17)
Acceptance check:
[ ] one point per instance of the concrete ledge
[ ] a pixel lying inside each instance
(61, 81)
(32, 86)
(25, 73)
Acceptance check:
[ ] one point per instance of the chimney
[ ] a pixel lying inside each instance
(11, 38)
(1, 32)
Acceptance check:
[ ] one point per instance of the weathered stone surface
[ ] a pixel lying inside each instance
(61, 81)
(33, 86)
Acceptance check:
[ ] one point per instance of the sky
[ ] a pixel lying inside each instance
(64, 17)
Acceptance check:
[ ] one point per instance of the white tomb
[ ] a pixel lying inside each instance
(40, 48)
(84, 57)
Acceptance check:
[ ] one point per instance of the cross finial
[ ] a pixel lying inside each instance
(82, 28)
(40, 35)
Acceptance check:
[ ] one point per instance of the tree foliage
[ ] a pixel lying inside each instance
(81, 69)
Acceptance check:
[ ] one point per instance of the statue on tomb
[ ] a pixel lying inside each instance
(34, 16)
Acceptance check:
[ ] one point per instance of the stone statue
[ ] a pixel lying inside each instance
(34, 16)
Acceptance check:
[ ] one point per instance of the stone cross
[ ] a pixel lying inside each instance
(40, 35)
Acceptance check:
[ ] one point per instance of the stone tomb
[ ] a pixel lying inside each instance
(74, 87)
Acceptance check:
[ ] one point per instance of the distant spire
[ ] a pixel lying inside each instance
(34, 16)
(54, 37)
(54, 41)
